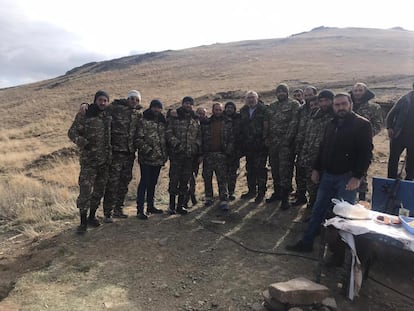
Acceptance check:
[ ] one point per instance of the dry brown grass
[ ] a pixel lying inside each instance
(35, 117)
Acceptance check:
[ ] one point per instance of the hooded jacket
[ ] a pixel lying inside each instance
(314, 132)
(183, 135)
(282, 120)
(370, 111)
(124, 125)
(91, 132)
(150, 139)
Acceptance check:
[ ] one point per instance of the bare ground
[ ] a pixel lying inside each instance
(206, 260)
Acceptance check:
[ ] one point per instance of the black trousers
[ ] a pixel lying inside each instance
(147, 183)
(397, 146)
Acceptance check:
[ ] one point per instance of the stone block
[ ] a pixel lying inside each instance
(299, 291)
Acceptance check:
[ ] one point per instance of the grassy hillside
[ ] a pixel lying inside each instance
(35, 117)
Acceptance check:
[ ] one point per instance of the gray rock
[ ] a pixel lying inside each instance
(271, 303)
(330, 303)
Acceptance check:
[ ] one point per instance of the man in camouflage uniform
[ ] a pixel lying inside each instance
(298, 95)
(201, 114)
(184, 143)
(252, 116)
(91, 132)
(281, 131)
(217, 145)
(361, 96)
(305, 112)
(314, 132)
(125, 116)
(152, 155)
(233, 160)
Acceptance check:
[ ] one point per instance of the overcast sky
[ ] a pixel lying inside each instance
(41, 39)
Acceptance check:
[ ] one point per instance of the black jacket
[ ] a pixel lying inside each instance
(398, 116)
(346, 146)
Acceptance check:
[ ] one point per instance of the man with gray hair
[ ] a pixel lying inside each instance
(252, 116)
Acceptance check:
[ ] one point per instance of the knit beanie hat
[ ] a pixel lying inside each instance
(282, 87)
(100, 93)
(326, 94)
(134, 93)
(155, 103)
(188, 99)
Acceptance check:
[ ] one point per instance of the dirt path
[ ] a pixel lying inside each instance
(177, 263)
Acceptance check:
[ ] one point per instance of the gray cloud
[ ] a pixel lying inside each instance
(31, 51)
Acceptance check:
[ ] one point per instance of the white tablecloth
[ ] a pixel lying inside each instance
(348, 228)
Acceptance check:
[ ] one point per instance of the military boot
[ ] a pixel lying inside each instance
(119, 213)
(285, 200)
(276, 196)
(300, 199)
(83, 223)
(92, 220)
(171, 205)
(180, 205)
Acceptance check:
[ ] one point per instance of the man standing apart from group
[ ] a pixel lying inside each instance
(184, 143)
(361, 96)
(343, 158)
(252, 117)
(282, 125)
(91, 132)
(217, 144)
(400, 127)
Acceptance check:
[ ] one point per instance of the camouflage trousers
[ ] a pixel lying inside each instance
(300, 178)
(92, 181)
(233, 164)
(363, 187)
(120, 175)
(311, 187)
(194, 174)
(256, 171)
(215, 162)
(181, 169)
(281, 162)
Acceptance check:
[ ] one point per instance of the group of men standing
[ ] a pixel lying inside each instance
(306, 132)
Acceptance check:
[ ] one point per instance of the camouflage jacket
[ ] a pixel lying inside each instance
(236, 122)
(183, 135)
(150, 139)
(282, 123)
(315, 130)
(305, 113)
(91, 132)
(370, 111)
(252, 130)
(226, 139)
(124, 125)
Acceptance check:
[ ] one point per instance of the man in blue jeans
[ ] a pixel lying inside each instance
(343, 158)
